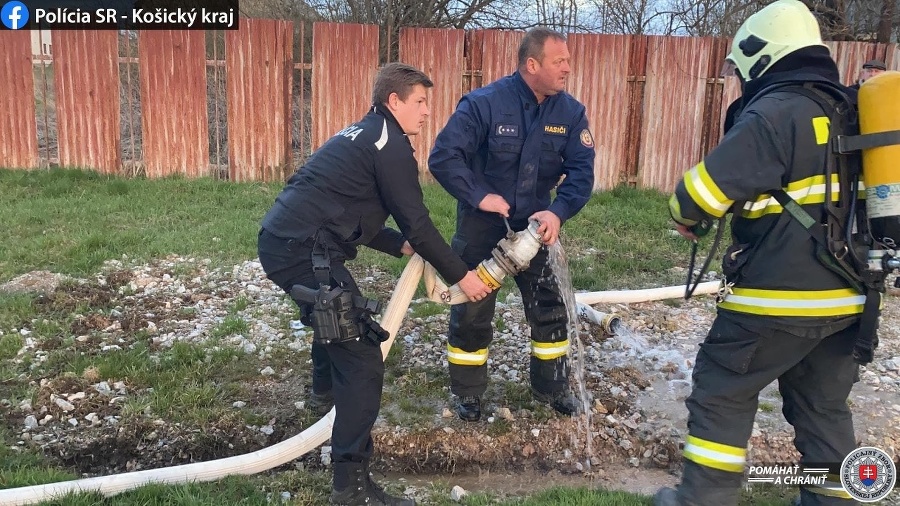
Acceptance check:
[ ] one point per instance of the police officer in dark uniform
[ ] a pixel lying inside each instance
(784, 315)
(501, 153)
(339, 200)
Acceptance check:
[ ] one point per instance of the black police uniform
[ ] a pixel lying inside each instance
(341, 199)
(500, 140)
(787, 317)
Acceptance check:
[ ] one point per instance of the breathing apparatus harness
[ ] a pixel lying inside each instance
(335, 314)
(844, 243)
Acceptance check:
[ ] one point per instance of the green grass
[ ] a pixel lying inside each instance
(71, 222)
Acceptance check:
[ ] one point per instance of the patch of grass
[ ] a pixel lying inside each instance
(428, 308)
(231, 325)
(71, 221)
(10, 344)
(765, 407)
(15, 310)
(239, 304)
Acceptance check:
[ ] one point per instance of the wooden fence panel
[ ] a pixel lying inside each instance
(345, 62)
(499, 51)
(259, 69)
(850, 57)
(892, 57)
(174, 118)
(438, 53)
(86, 68)
(18, 123)
(673, 109)
(599, 80)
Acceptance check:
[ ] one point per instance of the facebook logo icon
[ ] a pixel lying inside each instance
(14, 15)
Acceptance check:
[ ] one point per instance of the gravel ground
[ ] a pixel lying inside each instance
(635, 382)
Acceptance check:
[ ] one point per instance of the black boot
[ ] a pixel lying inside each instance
(360, 489)
(563, 401)
(469, 408)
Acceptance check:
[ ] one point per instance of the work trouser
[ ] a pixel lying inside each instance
(355, 370)
(735, 362)
(471, 329)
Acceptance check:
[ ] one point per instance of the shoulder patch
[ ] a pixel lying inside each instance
(586, 139)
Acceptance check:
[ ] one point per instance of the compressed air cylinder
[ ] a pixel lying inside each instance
(879, 111)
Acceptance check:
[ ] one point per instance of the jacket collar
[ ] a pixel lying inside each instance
(524, 90)
(382, 110)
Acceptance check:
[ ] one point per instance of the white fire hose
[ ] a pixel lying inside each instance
(319, 432)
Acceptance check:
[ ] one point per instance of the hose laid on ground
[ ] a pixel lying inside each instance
(289, 449)
(250, 463)
(650, 294)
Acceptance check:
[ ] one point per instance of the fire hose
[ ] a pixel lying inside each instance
(512, 254)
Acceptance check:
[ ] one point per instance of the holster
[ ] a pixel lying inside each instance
(337, 315)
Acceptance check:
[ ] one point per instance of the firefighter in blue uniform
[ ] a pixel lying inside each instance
(339, 200)
(501, 153)
(784, 315)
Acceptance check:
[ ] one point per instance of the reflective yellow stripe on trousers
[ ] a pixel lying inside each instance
(840, 302)
(461, 357)
(549, 351)
(831, 488)
(715, 455)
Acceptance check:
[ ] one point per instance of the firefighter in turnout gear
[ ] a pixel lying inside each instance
(339, 200)
(501, 153)
(783, 315)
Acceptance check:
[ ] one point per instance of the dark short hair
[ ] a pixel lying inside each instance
(532, 45)
(398, 78)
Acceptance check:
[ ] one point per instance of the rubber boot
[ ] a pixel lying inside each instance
(564, 401)
(358, 489)
(469, 408)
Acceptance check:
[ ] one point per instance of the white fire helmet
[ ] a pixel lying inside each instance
(769, 35)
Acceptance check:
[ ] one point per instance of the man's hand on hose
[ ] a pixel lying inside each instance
(549, 228)
(493, 203)
(473, 287)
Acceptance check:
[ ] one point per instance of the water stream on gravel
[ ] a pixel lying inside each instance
(560, 266)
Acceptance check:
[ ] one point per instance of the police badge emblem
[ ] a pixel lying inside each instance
(868, 474)
(587, 140)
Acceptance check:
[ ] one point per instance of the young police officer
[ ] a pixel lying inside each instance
(787, 317)
(338, 201)
(502, 151)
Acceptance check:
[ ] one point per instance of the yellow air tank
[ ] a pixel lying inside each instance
(879, 111)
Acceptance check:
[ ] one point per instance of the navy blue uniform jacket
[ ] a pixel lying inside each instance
(350, 185)
(500, 140)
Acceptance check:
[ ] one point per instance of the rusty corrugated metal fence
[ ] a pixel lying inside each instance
(655, 104)
(86, 74)
(344, 65)
(259, 71)
(18, 123)
(440, 54)
(174, 119)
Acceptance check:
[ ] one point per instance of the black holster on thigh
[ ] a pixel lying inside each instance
(336, 314)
